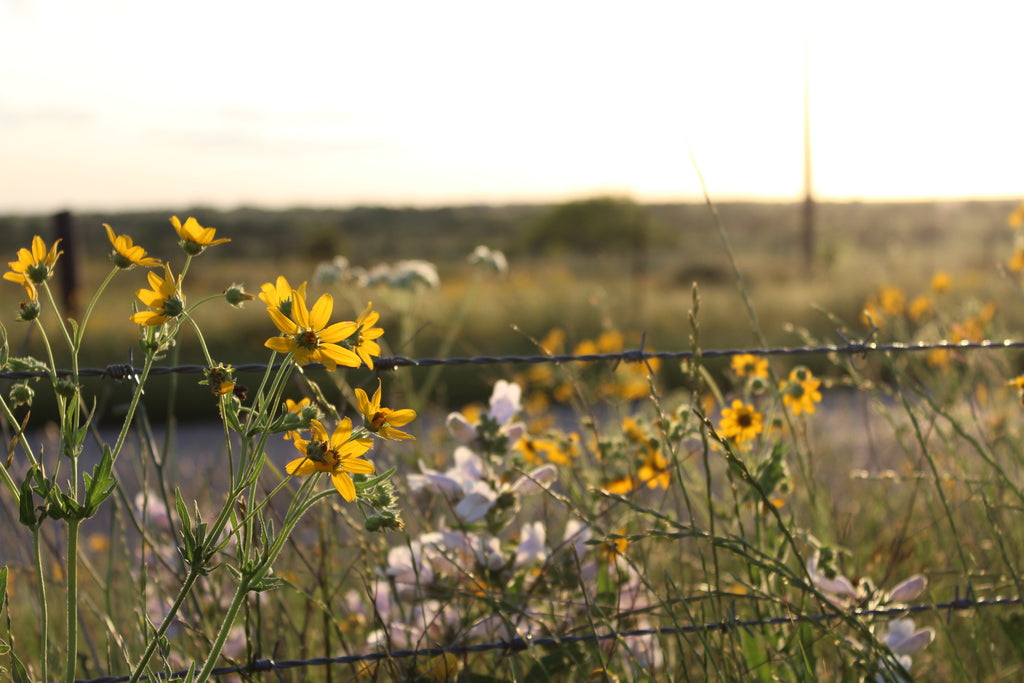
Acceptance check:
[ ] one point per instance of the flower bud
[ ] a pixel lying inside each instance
(22, 394)
(29, 311)
(236, 295)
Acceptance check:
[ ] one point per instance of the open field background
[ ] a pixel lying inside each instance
(906, 466)
(581, 274)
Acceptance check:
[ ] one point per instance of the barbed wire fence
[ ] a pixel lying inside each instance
(969, 601)
(126, 371)
(520, 644)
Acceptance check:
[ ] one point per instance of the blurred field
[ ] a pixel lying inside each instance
(586, 284)
(708, 493)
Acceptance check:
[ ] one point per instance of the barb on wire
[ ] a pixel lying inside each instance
(520, 644)
(119, 372)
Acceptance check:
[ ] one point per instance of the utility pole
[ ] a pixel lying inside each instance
(808, 208)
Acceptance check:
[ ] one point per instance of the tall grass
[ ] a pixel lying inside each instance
(577, 502)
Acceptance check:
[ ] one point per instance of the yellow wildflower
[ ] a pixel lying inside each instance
(632, 431)
(941, 282)
(365, 346)
(307, 334)
(610, 342)
(565, 451)
(127, 254)
(972, 329)
(801, 392)
(1016, 262)
(98, 543)
(740, 422)
(614, 546)
(1016, 217)
(563, 392)
(939, 358)
(279, 295)
(919, 308)
(634, 382)
(536, 451)
(554, 341)
(585, 348)
(892, 300)
(749, 365)
(871, 315)
(164, 298)
(540, 374)
(33, 267)
(338, 456)
(987, 312)
(194, 237)
(620, 486)
(655, 471)
(382, 421)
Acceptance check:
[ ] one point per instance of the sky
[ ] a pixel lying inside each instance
(124, 104)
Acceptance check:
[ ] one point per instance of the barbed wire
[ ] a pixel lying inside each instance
(385, 363)
(520, 644)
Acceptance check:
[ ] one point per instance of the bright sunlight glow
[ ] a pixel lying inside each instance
(122, 103)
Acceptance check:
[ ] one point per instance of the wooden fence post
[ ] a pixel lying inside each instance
(64, 226)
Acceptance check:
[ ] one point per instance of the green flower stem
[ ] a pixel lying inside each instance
(72, 611)
(63, 327)
(199, 333)
(130, 414)
(188, 262)
(225, 629)
(186, 588)
(20, 437)
(88, 312)
(258, 404)
(251, 470)
(252, 578)
(52, 367)
(44, 613)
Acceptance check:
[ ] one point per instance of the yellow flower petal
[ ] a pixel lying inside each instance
(283, 345)
(344, 484)
(300, 467)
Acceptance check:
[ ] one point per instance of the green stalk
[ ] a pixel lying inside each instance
(44, 613)
(130, 414)
(225, 629)
(88, 312)
(154, 642)
(72, 610)
(295, 513)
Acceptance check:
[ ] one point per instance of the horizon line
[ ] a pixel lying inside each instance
(511, 201)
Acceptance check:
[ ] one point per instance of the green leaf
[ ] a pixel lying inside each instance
(230, 413)
(771, 472)
(757, 659)
(4, 349)
(548, 667)
(805, 633)
(370, 483)
(18, 672)
(26, 510)
(100, 485)
(27, 364)
(1013, 627)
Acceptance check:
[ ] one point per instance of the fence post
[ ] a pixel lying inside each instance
(64, 227)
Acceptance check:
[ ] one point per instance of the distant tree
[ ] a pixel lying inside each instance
(599, 224)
